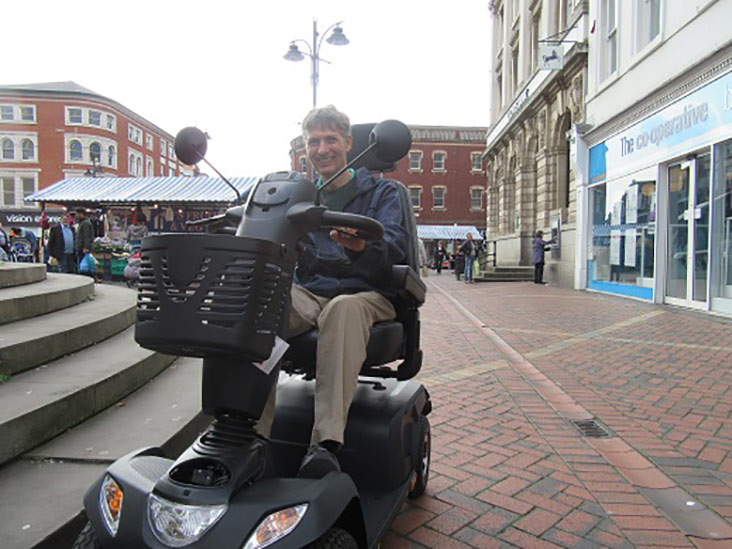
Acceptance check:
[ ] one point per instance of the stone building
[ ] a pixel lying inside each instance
(529, 169)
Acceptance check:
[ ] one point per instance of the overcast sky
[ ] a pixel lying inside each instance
(218, 64)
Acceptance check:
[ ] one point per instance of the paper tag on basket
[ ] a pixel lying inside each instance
(278, 352)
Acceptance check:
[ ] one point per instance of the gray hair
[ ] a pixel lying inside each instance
(327, 117)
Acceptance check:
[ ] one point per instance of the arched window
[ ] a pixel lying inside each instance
(95, 152)
(8, 149)
(110, 152)
(132, 165)
(138, 166)
(28, 149)
(149, 170)
(75, 150)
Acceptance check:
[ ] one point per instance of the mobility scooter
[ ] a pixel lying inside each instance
(224, 296)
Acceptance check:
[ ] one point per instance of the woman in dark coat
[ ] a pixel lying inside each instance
(540, 246)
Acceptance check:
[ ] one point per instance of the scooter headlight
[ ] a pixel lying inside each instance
(178, 525)
(110, 502)
(276, 526)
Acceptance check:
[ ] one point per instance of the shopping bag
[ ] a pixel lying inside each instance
(88, 264)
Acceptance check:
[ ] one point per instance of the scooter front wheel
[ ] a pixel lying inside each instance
(335, 538)
(87, 539)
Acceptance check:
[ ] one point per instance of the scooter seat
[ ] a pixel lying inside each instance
(386, 344)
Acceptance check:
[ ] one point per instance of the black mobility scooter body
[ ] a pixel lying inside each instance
(225, 297)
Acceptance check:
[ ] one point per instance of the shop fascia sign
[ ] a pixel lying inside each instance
(25, 218)
(701, 117)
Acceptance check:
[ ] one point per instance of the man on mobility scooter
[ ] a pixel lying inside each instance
(341, 284)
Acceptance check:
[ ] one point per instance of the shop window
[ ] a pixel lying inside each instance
(622, 239)
(476, 198)
(28, 149)
(438, 198)
(415, 197)
(75, 150)
(415, 161)
(722, 229)
(8, 148)
(8, 191)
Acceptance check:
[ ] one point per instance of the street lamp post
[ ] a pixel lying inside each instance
(336, 38)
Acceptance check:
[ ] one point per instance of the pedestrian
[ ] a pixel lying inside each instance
(440, 256)
(423, 259)
(469, 250)
(540, 246)
(84, 237)
(458, 260)
(137, 231)
(4, 245)
(341, 284)
(61, 245)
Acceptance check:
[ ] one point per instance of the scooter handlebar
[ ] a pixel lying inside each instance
(367, 227)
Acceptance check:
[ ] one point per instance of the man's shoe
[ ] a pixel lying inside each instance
(317, 463)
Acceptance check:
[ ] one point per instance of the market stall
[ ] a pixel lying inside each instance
(160, 204)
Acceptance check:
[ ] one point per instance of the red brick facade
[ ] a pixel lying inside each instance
(460, 183)
(64, 116)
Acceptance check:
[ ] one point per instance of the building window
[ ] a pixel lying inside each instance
(476, 198)
(75, 150)
(138, 166)
(149, 170)
(95, 118)
(7, 113)
(415, 161)
(438, 198)
(8, 191)
(476, 162)
(74, 116)
(163, 147)
(499, 88)
(28, 113)
(95, 152)
(648, 21)
(110, 155)
(29, 186)
(134, 134)
(110, 122)
(514, 70)
(304, 165)
(8, 149)
(415, 197)
(535, 26)
(609, 61)
(149, 141)
(28, 149)
(438, 161)
(171, 151)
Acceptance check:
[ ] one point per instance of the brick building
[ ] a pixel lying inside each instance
(58, 130)
(443, 172)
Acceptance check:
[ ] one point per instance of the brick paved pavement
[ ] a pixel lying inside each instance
(510, 366)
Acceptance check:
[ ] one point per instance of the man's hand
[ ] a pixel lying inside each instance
(345, 236)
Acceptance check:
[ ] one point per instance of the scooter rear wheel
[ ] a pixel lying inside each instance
(335, 538)
(87, 539)
(422, 470)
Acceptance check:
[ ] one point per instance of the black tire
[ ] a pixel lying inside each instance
(422, 467)
(335, 538)
(87, 539)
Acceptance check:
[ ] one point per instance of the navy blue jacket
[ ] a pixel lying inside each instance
(328, 269)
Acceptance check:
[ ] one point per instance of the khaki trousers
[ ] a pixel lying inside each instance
(344, 324)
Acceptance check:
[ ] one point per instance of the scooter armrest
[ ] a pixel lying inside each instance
(403, 277)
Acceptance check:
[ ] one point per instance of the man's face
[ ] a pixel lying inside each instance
(65, 219)
(327, 150)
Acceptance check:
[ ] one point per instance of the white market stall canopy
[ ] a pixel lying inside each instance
(447, 232)
(136, 190)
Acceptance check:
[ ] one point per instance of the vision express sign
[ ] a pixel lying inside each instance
(27, 218)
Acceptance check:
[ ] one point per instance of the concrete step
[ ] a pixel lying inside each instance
(41, 492)
(39, 404)
(17, 274)
(505, 277)
(58, 291)
(35, 341)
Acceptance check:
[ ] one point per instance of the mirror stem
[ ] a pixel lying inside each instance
(339, 172)
(238, 194)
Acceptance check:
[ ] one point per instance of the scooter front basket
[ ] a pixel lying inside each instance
(207, 295)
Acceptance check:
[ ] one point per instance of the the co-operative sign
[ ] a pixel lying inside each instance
(701, 117)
